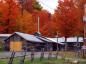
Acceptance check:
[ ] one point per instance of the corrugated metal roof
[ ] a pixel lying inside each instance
(74, 39)
(34, 38)
(44, 39)
(60, 40)
(70, 39)
(5, 35)
(28, 37)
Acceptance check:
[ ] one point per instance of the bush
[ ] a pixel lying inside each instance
(1, 45)
(1, 48)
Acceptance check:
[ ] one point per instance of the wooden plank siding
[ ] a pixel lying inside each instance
(14, 43)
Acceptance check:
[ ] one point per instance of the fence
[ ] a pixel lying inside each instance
(51, 54)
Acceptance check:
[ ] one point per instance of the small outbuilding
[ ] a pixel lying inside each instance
(71, 43)
(21, 41)
(4, 36)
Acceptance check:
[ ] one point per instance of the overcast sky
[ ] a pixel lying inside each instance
(49, 5)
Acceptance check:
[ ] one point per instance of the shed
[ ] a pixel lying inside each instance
(21, 41)
(2, 38)
(71, 42)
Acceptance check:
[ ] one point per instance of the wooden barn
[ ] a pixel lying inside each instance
(71, 43)
(74, 43)
(21, 41)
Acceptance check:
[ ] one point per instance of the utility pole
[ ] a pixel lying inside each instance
(57, 46)
(57, 40)
(38, 25)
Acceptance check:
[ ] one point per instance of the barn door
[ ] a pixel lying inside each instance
(15, 46)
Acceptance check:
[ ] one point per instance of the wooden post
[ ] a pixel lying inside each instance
(23, 57)
(11, 58)
(57, 47)
(32, 55)
(57, 52)
(24, 52)
(77, 48)
(66, 46)
(50, 52)
(42, 54)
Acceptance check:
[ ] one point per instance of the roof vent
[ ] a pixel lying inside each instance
(37, 34)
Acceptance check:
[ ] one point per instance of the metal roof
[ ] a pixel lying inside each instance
(5, 35)
(27, 37)
(60, 40)
(44, 39)
(35, 38)
(74, 39)
(70, 39)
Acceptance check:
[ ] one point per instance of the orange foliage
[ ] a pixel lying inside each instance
(9, 10)
(69, 19)
(46, 24)
(25, 23)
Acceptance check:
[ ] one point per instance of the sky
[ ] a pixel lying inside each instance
(49, 5)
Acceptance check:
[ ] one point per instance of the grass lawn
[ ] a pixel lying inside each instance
(43, 61)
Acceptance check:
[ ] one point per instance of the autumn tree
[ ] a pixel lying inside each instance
(49, 29)
(46, 24)
(12, 13)
(1, 26)
(25, 23)
(9, 10)
(68, 18)
(30, 5)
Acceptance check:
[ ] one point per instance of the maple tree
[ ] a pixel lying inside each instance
(50, 29)
(68, 18)
(1, 18)
(9, 10)
(45, 22)
(25, 23)
(30, 5)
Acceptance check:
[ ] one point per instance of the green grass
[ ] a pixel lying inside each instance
(3, 62)
(43, 61)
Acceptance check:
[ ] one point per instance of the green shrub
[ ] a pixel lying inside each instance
(1, 45)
